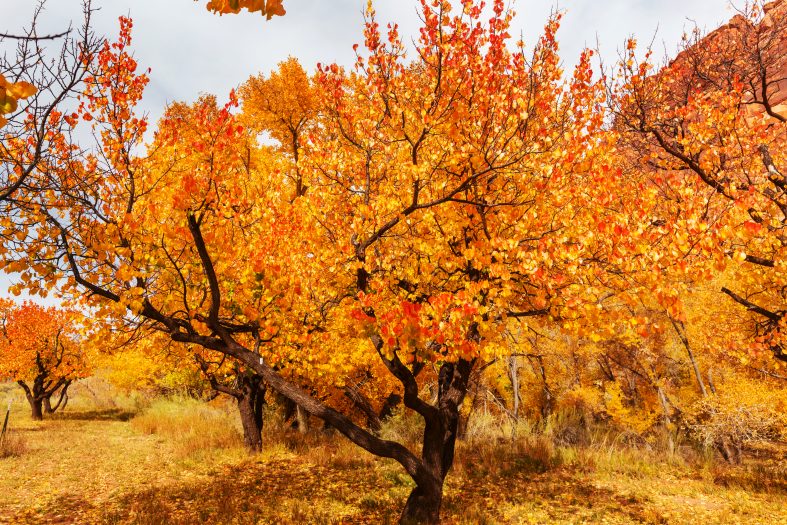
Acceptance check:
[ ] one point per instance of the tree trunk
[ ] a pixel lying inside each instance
(667, 420)
(423, 505)
(513, 373)
(439, 443)
(34, 398)
(251, 402)
(61, 402)
(303, 419)
(36, 405)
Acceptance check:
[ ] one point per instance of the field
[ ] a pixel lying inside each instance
(182, 461)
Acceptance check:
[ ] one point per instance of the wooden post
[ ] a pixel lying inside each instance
(5, 423)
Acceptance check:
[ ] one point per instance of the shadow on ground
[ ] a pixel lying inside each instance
(289, 491)
(108, 414)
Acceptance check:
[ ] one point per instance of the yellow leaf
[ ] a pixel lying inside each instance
(22, 89)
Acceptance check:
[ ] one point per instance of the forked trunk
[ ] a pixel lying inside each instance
(439, 443)
(423, 505)
(61, 402)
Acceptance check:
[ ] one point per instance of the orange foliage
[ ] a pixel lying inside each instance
(403, 219)
(38, 340)
(10, 93)
(42, 349)
(267, 8)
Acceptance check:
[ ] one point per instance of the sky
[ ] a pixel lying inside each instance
(191, 51)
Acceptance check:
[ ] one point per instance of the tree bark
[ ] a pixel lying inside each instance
(423, 504)
(251, 403)
(439, 443)
(35, 400)
(36, 408)
(513, 373)
(62, 399)
(303, 419)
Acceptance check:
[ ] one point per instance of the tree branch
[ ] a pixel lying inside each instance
(775, 317)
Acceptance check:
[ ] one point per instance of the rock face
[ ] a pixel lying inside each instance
(775, 26)
(752, 49)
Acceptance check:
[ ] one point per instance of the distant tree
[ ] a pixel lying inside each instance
(708, 134)
(41, 349)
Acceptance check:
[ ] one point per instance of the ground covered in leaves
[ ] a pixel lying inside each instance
(98, 467)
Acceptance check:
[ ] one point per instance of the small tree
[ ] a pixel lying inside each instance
(41, 351)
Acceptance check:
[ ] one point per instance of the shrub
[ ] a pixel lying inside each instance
(741, 417)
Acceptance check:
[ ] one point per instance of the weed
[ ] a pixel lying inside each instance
(12, 444)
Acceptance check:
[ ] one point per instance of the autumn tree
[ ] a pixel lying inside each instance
(439, 198)
(708, 131)
(42, 350)
(285, 106)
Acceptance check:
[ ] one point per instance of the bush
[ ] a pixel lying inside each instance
(738, 417)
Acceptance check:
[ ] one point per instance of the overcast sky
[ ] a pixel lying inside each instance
(191, 51)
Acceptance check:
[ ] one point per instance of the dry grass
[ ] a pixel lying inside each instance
(193, 426)
(95, 466)
(12, 444)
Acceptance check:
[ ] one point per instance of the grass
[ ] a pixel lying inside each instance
(169, 463)
(12, 444)
(192, 426)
